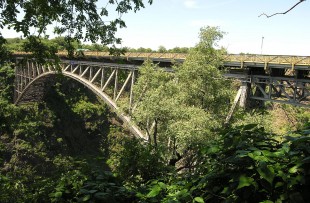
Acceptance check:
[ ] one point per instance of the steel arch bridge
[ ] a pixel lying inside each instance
(283, 79)
(103, 79)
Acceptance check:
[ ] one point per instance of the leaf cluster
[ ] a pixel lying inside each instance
(76, 20)
(134, 162)
(180, 107)
(245, 165)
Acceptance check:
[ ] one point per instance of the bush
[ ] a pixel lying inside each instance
(134, 161)
(245, 165)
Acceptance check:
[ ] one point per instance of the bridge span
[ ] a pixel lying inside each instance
(275, 78)
(283, 79)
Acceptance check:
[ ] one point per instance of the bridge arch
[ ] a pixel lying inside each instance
(33, 79)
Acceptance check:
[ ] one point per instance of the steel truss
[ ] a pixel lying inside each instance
(110, 81)
(287, 90)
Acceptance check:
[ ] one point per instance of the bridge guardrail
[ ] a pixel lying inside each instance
(237, 58)
(269, 59)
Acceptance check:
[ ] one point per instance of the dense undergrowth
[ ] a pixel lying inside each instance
(244, 165)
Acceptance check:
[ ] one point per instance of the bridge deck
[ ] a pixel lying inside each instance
(234, 60)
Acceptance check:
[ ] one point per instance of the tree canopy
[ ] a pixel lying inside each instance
(182, 108)
(76, 20)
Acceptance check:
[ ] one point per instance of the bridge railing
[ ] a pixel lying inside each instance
(234, 58)
(269, 59)
(133, 55)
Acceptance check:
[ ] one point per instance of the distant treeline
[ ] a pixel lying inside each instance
(17, 44)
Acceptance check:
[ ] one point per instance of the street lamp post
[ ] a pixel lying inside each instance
(261, 48)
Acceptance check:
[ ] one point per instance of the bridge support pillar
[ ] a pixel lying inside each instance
(241, 97)
(16, 83)
(245, 87)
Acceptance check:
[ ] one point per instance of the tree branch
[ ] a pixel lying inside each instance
(268, 16)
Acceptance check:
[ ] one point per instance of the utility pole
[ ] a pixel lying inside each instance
(261, 48)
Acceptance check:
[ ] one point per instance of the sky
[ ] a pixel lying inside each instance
(176, 23)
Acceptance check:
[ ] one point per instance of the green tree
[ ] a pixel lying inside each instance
(181, 109)
(179, 50)
(7, 82)
(143, 50)
(4, 52)
(15, 44)
(99, 47)
(201, 80)
(62, 43)
(162, 49)
(72, 19)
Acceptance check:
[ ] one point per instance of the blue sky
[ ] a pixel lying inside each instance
(172, 23)
(177, 22)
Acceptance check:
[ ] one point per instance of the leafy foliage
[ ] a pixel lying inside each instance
(181, 109)
(244, 165)
(104, 187)
(6, 81)
(4, 52)
(134, 162)
(78, 20)
(200, 77)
